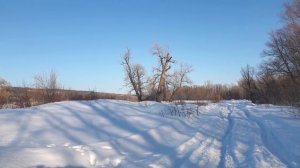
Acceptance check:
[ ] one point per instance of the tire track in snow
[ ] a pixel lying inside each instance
(266, 136)
(243, 150)
(226, 139)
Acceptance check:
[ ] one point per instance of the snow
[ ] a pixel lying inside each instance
(112, 133)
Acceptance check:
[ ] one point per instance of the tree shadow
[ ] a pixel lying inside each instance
(89, 122)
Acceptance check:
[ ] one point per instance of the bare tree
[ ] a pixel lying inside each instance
(135, 74)
(283, 54)
(248, 82)
(162, 85)
(179, 79)
(269, 87)
(48, 85)
(283, 58)
(283, 47)
(165, 61)
(292, 14)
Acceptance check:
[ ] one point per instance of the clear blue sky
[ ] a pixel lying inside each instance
(84, 40)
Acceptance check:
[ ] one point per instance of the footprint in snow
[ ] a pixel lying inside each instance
(92, 158)
(87, 151)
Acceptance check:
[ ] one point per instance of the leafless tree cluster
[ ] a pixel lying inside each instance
(48, 86)
(278, 78)
(13, 96)
(248, 82)
(179, 79)
(165, 62)
(164, 84)
(134, 75)
(210, 91)
(47, 89)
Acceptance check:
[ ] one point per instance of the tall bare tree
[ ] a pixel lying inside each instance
(165, 61)
(283, 47)
(283, 54)
(135, 74)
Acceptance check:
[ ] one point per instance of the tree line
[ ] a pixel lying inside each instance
(46, 89)
(277, 79)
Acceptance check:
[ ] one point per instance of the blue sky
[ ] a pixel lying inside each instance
(84, 40)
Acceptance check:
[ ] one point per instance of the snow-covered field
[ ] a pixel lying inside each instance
(108, 133)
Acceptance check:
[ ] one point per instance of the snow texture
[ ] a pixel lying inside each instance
(110, 133)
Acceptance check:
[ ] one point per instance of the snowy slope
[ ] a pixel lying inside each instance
(108, 133)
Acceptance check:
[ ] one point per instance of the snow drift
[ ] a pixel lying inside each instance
(109, 133)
